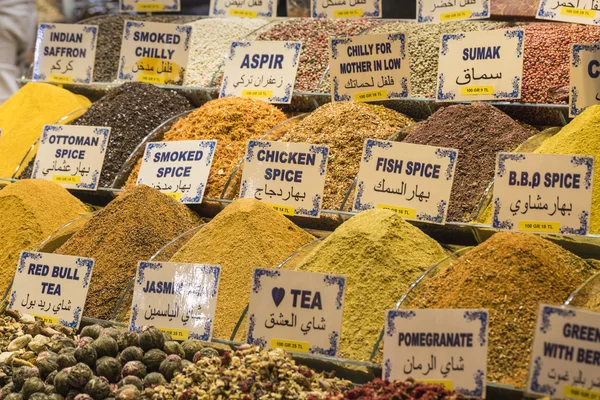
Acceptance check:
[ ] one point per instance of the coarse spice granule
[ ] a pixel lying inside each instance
(510, 274)
(246, 235)
(479, 131)
(232, 121)
(344, 127)
(131, 228)
(381, 255)
(23, 116)
(30, 211)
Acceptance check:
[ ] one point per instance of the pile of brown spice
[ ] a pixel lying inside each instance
(129, 229)
(344, 127)
(232, 122)
(510, 274)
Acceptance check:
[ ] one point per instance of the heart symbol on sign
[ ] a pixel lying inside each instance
(278, 295)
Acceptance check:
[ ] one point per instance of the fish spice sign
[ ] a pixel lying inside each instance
(480, 66)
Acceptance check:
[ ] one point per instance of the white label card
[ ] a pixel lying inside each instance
(126, 6)
(452, 10)
(153, 52)
(71, 155)
(411, 179)
(296, 311)
(543, 193)
(369, 68)
(243, 8)
(177, 298)
(566, 354)
(447, 347)
(575, 11)
(288, 176)
(481, 65)
(65, 53)
(261, 70)
(584, 77)
(346, 8)
(51, 286)
(179, 169)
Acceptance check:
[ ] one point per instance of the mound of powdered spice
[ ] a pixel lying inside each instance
(30, 211)
(131, 228)
(381, 256)
(479, 131)
(344, 127)
(510, 274)
(231, 121)
(246, 235)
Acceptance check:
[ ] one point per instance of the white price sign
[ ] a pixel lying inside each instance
(126, 6)
(452, 10)
(346, 8)
(576, 11)
(243, 8)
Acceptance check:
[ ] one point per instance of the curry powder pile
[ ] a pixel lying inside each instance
(30, 211)
(131, 228)
(248, 234)
(381, 256)
(510, 274)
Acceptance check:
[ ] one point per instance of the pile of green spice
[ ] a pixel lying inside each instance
(381, 256)
(232, 121)
(131, 228)
(510, 274)
(344, 127)
(246, 235)
(479, 131)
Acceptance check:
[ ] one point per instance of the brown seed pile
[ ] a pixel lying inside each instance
(479, 131)
(510, 274)
(129, 229)
(344, 127)
(232, 121)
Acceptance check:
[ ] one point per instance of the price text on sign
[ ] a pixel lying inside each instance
(71, 155)
(65, 53)
(565, 357)
(441, 346)
(346, 8)
(452, 10)
(585, 77)
(149, 5)
(297, 311)
(178, 169)
(413, 179)
(543, 193)
(51, 286)
(577, 12)
(154, 53)
(288, 176)
(177, 298)
(243, 8)
(480, 65)
(369, 68)
(261, 70)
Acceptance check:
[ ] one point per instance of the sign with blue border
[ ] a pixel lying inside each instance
(346, 8)
(575, 12)
(261, 70)
(178, 298)
(448, 347)
(452, 10)
(565, 355)
(179, 169)
(411, 179)
(126, 6)
(51, 286)
(369, 68)
(543, 193)
(243, 8)
(296, 310)
(288, 176)
(480, 66)
(65, 53)
(584, 77)
(71, 155)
